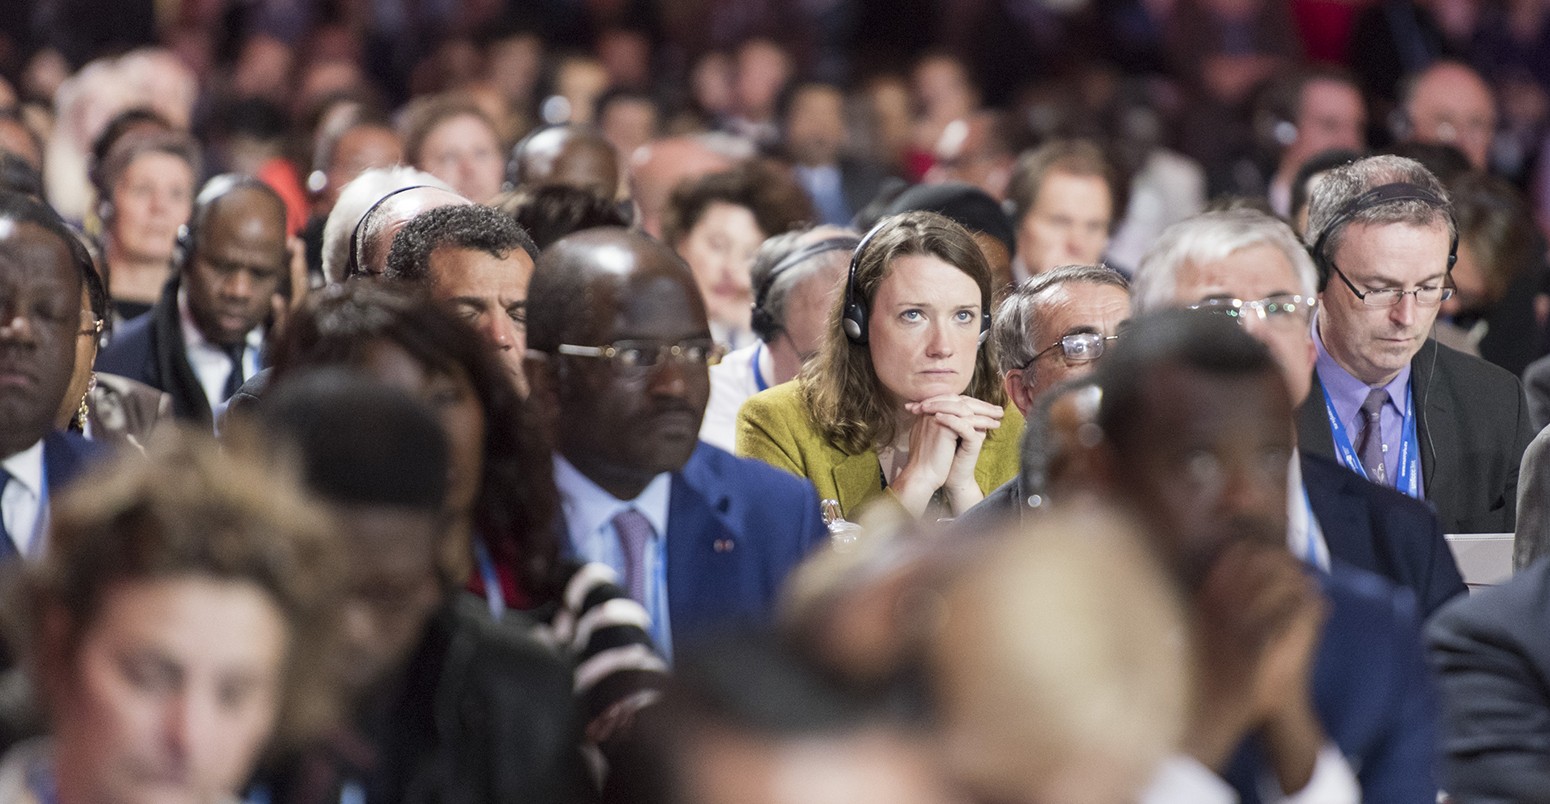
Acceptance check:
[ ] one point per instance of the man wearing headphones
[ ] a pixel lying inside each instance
(795, 278)
(1388, 401)
(205, 334)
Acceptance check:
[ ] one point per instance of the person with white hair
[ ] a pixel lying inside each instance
(370, 210)
(1250, 266)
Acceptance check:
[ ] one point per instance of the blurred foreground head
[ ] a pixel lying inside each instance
(176, 624)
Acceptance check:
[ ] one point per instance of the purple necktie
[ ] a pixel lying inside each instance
(635, 532)
(1371, 449)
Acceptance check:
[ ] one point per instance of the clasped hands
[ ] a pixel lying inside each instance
(944, 447)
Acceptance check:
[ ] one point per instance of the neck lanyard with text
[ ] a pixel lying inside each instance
(1409, 477)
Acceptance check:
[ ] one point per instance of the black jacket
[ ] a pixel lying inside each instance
(150, 349)
(1473, 428)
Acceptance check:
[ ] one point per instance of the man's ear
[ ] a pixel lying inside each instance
(1017, 391)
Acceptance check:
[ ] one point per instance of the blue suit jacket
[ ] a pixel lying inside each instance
(66, 455)
(1372, 692)
(1381, 530)
(736, 527)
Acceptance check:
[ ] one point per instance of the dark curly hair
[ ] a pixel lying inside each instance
(552, 211)
(517, 501)
(764, 188)
(464, 226)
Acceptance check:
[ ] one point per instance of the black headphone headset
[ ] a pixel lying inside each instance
(854, 314)
(764, 323)
(1377, 196)
(352, 263)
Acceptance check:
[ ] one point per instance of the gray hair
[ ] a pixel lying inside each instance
(1015, 316)
(1210, 237)
(1338, 188)
(777, 248)
(354, 200)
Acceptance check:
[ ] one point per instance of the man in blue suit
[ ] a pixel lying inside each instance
(618, 350)
(41, 270)
(1304, 676)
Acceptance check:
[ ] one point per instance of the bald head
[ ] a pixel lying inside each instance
(574, 156)
(581, 280)
(658, 167)
(1449, 103)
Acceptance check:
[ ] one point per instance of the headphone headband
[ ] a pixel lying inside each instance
(1378, 196)
(352, 264)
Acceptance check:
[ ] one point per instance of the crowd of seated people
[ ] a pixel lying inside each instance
(751, 402)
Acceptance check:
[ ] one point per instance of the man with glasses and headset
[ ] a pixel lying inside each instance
(1388, 401)
(1250, 266)
(619, 350)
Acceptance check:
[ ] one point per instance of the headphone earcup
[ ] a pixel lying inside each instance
(763, 324)
(182, 247)
(854, 324)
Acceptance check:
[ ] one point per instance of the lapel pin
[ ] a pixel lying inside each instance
(723, 545)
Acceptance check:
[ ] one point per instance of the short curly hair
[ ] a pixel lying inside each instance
(464, 226)
(768, 191)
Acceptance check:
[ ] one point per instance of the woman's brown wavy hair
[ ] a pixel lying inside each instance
(839, 386)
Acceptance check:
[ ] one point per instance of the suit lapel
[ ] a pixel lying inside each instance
(1439, 444)
(1313, 435)
(856, 478)
(188, 396)
(700, 549)
(1341, 512)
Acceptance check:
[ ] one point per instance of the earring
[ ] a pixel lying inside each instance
(81, 413)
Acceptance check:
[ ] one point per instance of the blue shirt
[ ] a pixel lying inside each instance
(589, 513)
(1347, 393)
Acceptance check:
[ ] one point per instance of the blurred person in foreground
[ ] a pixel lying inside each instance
(180, 623)
(903, 397)
(445, 702)
(1324, 671)
(499, 534)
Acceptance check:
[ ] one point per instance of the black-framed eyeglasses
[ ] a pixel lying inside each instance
(1282, 308)
(1078, 347)
(635, 355)
(1425, 296)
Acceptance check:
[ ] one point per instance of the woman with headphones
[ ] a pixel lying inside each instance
(903, 395)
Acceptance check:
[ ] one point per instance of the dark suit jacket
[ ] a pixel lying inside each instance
(1473, 427)
(484, 714)
(65, 456)
(1492, 653)
(1365, 525)
(150, 349)
(1382, 531)
(736, 529)
(1372, 692)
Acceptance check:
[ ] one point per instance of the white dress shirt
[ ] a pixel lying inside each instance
(210, 362)
(23, 504)
(589, 511)
(1182, 779)
(732, 381)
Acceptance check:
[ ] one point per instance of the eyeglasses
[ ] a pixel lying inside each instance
(636, 355)
(1079, 347)
(1281, 309)
(1425, 296)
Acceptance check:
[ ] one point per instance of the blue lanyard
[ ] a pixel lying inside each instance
(493, 594)
(758, 376)
(1409, 479)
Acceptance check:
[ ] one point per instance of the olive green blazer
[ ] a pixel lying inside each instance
(774, 427)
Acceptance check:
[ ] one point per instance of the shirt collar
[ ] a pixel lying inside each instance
(193, 336)
(589, 507)
(1348, 392)
(26, 467)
